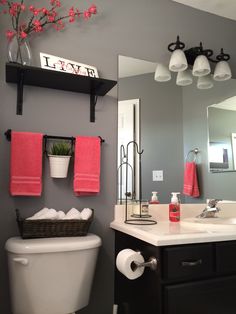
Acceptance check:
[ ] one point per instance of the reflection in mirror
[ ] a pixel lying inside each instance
(173, 121)
(160, 126)
(222, 135)
(128, 131)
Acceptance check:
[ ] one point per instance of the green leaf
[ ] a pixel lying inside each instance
(61, 148)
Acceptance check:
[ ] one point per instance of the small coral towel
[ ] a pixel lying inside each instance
(190, 180)
(26, 163)
(87, 165)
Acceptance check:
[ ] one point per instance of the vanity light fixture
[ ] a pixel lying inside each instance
(178, 61)
(205, 82)
(162, 73)
(222, 71)
(184, 78)
(198, 59)
(201, 66)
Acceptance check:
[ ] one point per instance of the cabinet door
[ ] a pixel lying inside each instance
(215, 296)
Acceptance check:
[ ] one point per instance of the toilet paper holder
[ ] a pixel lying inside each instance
(151, 263)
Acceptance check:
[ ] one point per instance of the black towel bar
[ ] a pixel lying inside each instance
(8, 137)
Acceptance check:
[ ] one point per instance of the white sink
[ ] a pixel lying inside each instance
(220, 223)
(217, 220)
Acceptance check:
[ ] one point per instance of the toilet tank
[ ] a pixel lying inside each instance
(51, 275)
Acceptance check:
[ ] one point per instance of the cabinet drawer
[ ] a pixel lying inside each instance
(226, 257)
(188, 261)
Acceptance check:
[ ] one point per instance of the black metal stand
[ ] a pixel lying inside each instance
(138, 219)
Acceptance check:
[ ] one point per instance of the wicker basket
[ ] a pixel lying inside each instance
(47, 228)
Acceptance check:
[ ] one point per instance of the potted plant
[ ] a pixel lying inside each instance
(59, 159)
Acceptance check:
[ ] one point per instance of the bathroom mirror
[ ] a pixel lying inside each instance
(173, 121)
(222, 135)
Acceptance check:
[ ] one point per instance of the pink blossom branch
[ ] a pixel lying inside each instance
(40, 17)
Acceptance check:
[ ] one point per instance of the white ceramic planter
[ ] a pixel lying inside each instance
(59, 166)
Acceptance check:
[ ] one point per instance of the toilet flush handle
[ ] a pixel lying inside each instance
(21, 260)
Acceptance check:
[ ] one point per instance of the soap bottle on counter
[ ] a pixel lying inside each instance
(154, 198)
(174, 208)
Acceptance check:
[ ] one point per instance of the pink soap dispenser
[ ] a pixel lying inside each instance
(154, 198)
(174, 208)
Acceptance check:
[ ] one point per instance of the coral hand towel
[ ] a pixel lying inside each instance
(190, 180)
(26, 164)
(87, 165)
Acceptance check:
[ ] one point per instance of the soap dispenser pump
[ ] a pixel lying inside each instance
(154, 198)
(174, 207)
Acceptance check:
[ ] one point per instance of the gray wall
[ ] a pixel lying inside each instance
(161, 132)
(140, 29)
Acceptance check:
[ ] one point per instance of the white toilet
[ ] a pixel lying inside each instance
(51, 275)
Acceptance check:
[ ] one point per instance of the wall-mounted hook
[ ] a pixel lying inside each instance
(194, 151)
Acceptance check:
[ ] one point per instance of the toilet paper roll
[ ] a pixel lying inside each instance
(125, 263)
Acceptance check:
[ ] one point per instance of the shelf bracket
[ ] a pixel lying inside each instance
(93, 101)
(20, 89)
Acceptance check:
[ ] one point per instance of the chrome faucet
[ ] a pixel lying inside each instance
(211, 209)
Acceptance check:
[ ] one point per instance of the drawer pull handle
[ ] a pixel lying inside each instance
(192, 263)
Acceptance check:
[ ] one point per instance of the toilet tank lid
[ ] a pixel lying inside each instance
(48, 245)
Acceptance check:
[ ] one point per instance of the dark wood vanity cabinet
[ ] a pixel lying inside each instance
(190, 279)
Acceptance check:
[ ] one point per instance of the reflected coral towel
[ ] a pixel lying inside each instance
(26, 163)
(190, 180)
(87, 165)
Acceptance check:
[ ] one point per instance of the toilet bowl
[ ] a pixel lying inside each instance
(51, 275)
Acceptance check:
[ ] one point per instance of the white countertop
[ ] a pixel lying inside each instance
(174, 233)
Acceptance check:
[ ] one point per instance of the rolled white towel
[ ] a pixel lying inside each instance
(43, 211)
(73, 213)
(50, 214)
(86, 213)
(60, 214)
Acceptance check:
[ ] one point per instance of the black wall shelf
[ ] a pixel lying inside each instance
(34, 76)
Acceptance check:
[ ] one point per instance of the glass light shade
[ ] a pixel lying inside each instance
(184, 78)
(222, 71)
(162, 74)
(178, 61)
(201, 66)
(205, 82)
